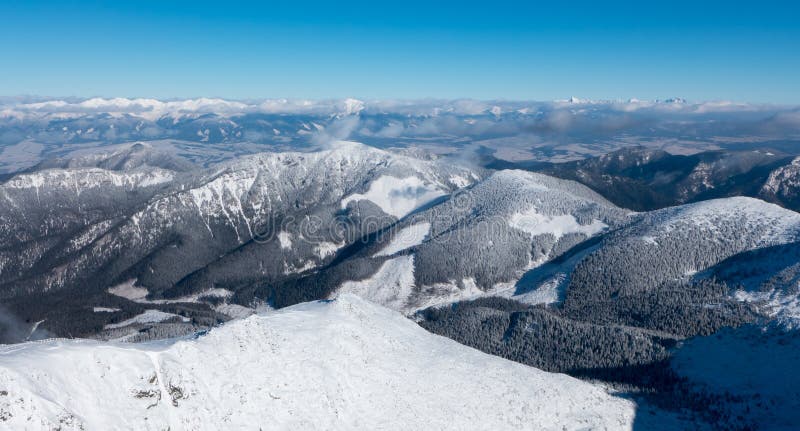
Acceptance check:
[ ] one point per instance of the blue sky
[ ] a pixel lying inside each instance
(413, 49)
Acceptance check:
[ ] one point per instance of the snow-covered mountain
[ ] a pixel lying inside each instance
(139, 230)
(177, 234)
(209, 131)
(634, 296)
(137, 242)
(481, 240)
(768, 277)
(783, 185)
(154, 109)
(346, 364)
(682, 270)
(644, 179)
(659, 252)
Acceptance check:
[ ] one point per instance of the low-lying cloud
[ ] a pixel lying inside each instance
(387, 122)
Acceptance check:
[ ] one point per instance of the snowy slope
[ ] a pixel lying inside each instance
(390, 286)
(677, 242)
(397, 196)
(768, 277)
(100, 219)
(408, 237)
(213, 211)
(761, 224)
(654, 263)
(783, 185)
(345, 364)
(784, 180)
(483, 240)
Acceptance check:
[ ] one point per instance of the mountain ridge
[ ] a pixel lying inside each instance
(383, 359)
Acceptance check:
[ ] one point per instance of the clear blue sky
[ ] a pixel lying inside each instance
(700, 50)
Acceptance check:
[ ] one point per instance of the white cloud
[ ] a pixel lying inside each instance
(152, 108)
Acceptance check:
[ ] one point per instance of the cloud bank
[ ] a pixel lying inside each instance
(549, 130)
(153, 108)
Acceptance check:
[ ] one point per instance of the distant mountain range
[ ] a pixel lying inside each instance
(645, 179)
(204, 130)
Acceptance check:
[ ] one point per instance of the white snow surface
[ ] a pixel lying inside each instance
(408, 237)
(551, 291)
(234, 311)
(783, 306)
(539, 224)
(397, 196)
(326, 248)
(285, 240)
(440, 294)
(460, 181)
(390, 286)
(129, 290)
(338, 365)
(149, 316)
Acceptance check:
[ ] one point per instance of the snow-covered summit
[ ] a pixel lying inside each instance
(221, 208)
(511, 194)
(482, 240)
(345, 364)
(343, 167)
(736, 219)
(668, 247)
